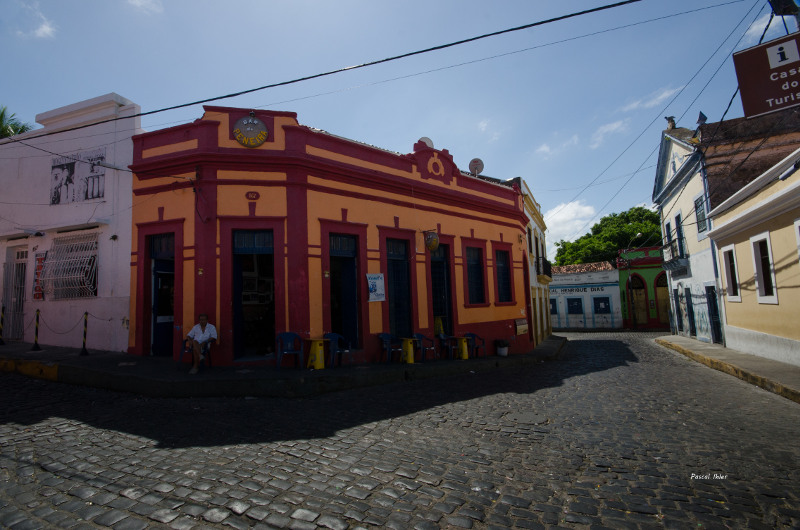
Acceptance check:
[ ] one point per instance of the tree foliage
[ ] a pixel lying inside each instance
(614, 232)
(10, 125)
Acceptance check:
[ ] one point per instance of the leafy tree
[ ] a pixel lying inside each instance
(10, 125)
(614, 232)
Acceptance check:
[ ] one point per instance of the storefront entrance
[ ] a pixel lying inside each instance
(398, 288)
(440, 291)
(162, 294)
(14, 271)
(253, 294)
(638, 298)
(344, 287)
(662, 299)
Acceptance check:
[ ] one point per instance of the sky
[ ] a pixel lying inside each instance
(575, 107)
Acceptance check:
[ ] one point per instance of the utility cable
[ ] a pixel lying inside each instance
(349, 68)
(647, 128)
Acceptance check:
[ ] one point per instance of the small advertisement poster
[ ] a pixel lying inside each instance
(376, 288)
(78, 177)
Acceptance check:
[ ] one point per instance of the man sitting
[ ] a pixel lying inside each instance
(202, 336)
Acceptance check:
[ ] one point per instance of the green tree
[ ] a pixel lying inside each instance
(614, 232)
(10, 125)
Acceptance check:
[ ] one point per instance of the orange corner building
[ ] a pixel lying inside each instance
(267, 226)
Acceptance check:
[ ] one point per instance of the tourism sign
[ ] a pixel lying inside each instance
(769, 76)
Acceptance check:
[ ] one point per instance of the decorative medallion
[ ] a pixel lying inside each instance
(250, 131)
(252, 195)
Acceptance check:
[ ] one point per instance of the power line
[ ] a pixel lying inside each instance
(425, 72)
(650, 124)
(349, 68)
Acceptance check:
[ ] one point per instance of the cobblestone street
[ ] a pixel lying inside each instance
(620, 432)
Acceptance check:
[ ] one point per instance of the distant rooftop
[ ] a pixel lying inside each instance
(597, 266)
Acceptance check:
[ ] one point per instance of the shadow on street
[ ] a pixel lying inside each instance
(188, 422)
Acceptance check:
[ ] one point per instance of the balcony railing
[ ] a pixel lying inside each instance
(543, 267)
(675, 257)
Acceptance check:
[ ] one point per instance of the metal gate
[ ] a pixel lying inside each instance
(14, 295)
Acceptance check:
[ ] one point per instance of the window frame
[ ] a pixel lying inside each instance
(479, 245)
(701, 234)
(70, 269)
(573, 298)
(507, 248)
(758, 272)
(797, 235)
(729, 275)
(597, 298)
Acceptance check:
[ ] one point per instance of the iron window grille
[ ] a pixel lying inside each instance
(70, 268)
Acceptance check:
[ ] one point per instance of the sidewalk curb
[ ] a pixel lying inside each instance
(731, 369)
(36, 369)
(296, 385)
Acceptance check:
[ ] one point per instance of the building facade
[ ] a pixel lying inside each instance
(65, 227)
(682, 199)
(643, 288)
(585, 296)
(757, 234)
(696, 172)
(270, 226)
(539, 270)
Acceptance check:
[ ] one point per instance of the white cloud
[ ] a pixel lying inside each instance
(148, 7)
(546, 150)
(604, 130)
(484, 128)
(564, 221)
(652, 100)
(776, 29)
(45, 29)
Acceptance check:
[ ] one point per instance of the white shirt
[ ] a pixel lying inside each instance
(203, 336)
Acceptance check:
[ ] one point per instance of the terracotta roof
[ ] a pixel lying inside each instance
(738, 151)
(583, 267)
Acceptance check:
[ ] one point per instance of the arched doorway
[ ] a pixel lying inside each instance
(637, 293)
(662, 299)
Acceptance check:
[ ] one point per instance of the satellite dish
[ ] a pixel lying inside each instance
(427, 141)
(475, 166)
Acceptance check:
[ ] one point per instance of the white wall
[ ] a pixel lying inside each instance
(586, 286)
(98, 201)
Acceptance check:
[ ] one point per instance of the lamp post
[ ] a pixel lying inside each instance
(638, 235)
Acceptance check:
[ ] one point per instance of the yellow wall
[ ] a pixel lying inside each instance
(780, 319)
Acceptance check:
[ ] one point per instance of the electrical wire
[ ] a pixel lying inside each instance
(650, 124)
(350, 68)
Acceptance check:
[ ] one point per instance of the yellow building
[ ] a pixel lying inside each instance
(757, 236)
(268, 226)
(540, 274)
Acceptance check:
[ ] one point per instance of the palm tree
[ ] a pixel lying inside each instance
(10, 125)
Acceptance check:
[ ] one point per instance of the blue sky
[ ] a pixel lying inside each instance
(574, 107)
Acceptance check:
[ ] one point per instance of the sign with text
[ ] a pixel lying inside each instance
(376, 288)
(769, 76)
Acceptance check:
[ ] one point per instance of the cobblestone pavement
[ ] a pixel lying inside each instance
(618, 433)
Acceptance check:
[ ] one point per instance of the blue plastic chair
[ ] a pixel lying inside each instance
(289, 344)
(446, 343)
(421, 341)
(390, 344)
(474, 344)
(337, 345)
